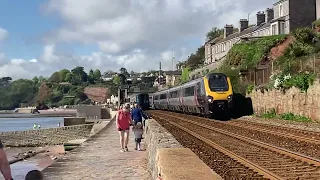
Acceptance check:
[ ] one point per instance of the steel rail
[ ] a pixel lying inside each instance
(256, 168)
(304, 158)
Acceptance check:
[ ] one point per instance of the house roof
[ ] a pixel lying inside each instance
(244, 32)
(280, 1)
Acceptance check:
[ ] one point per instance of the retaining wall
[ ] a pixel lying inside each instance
(166, 156)
(292, 101)
(41, 137)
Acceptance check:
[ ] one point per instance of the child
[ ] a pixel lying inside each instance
(138, 131)
(34, 175)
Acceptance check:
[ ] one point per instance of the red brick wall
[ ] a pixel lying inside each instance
(292, 101)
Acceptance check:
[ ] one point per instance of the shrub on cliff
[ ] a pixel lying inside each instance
(247, 54)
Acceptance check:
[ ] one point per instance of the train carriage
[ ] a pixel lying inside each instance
(211, 94)
(142, 100)
(174, 100)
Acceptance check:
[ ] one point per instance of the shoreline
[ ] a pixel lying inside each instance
(11, 116)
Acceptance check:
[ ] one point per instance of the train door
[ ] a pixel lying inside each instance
(201, 94)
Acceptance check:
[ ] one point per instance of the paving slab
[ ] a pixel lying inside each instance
(100, 158)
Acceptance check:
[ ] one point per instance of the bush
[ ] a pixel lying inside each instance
(248, 54)
(284, 80)
(271, 114)
(250, 88)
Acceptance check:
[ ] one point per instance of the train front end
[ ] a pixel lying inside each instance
(143, 101)
(219, 93)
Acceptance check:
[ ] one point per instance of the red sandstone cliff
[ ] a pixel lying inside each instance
(278, 50)
(97, 94)
(44, 92)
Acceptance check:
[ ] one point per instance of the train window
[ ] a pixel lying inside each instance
(199, 93)
(163, 96)
(189, 91)
(174, 94)
(218, 83)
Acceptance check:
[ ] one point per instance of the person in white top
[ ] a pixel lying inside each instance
(138, 131)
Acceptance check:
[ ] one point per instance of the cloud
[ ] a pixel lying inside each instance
(3, 34)
(136, 34)
(52, 60)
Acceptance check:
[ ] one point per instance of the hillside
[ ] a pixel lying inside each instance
(281, 56)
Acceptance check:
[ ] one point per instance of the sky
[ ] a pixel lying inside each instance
(39, 37)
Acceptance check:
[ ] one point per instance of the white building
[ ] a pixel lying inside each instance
(284, 17)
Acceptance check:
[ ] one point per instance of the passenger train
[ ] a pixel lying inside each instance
(207, 96)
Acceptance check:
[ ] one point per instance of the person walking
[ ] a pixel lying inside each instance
(137, 114)
(124, 121)
(4, 164)
(138, 131)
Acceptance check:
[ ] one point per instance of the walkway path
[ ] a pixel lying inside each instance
(100, 158)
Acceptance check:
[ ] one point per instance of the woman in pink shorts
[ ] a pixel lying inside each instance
(123, 125)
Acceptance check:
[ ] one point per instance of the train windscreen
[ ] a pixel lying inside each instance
(218, 83)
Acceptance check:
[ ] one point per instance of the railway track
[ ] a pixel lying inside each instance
(291, 139)
(311, 136)
(269, 161)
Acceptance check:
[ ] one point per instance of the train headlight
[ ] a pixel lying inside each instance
(230, 97)
(210, 99)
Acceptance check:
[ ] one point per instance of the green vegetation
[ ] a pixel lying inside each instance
(271, 114)
(63, 87)
(291, 72)
(21, 91)
(185, 75)
(247, 54)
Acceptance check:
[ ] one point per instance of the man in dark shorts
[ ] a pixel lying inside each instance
(4, 164)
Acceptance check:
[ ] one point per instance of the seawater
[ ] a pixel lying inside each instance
(26, 123)
(21, 123)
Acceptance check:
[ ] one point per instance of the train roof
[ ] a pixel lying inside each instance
(190, 82)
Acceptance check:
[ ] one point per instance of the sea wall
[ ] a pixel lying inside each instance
(42, 137)
(168, 159)
(292, 101)
(157, 137)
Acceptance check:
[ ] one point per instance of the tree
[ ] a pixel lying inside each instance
(124, 72)
(116, 80)
(97, 75)
(185, 75)
(55, 77)
(91, 77)
(35, 80)
(62, 74)
(68, 77)
(5, 81)
(194, 61)
(78, 75)
(123, 79)
(214, 33)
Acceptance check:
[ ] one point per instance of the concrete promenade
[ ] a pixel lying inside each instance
(100, 158)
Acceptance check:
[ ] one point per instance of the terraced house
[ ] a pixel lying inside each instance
(284, 17)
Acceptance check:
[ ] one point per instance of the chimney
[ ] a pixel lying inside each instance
(228, 29)
(269, 14)
(261, 18)
(244, 24)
